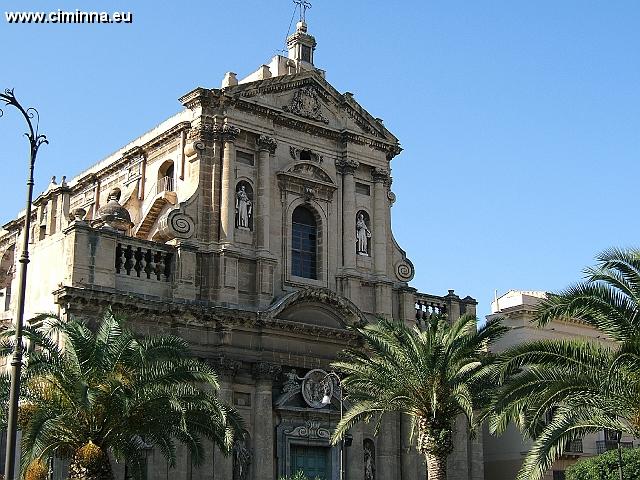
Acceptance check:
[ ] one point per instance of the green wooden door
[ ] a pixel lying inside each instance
(313, 461)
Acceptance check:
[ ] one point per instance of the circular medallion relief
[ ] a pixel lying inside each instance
(315, 385)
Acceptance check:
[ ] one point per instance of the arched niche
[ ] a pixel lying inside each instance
(244, 206)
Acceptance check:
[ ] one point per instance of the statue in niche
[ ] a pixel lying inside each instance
(241, 458)
(244, 208)
(363, 234)
(369, 461)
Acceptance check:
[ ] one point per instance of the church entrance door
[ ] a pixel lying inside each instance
(313, 461)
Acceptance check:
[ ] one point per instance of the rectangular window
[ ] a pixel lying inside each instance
(245, 157)
(363, 189)
(306, 53)
(303, 248)
(558, 475)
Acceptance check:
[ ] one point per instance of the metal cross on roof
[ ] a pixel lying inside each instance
(304, 6)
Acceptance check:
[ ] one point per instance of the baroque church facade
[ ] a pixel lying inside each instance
(256, 224)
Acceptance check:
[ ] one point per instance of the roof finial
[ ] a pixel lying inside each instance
(304, 5)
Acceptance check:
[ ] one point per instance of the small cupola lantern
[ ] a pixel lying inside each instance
(113, 215)
(301, 45)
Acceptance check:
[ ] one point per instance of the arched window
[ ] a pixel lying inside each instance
(165, 178)
(304, 243)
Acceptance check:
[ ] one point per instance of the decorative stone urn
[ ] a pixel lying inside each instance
(113, 215)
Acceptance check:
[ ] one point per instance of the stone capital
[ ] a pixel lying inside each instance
(264, 142)
(229, 133)
(347, 166)
(380, 175)
(225, 367)
(265, 371)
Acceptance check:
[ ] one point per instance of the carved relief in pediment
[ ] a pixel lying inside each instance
(310, 171)
(306, 103)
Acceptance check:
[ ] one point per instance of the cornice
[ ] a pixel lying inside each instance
(206, 313)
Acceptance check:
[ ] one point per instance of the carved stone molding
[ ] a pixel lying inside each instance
(310, 430)
(264, 142)
(347, 166)
(392, 151)
(196, 98)
(230, 133)
(265, 371)
(306, 103)
(380, 175)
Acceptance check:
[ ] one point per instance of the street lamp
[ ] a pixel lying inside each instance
(35, 140)
(326, 400)
(618, 440)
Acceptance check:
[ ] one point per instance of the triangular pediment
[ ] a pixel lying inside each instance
(310, 98)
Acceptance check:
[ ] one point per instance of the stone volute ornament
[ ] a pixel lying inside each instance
(113, 215)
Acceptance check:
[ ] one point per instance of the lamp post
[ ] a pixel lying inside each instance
(35, 140)
(326, 400)
(618, 440)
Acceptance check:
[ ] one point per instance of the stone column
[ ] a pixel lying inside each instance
(408, 457)
(227, 201)
(266, 147)
(263, 428)
(387, 448)
(380, 212)
(348, 167)
(355, 455)
(223, 465)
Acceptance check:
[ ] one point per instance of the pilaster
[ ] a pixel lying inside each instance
(227, 201)
(387, 461)
(263, 429)
(347, 168)
(380, 212)
(266, 148)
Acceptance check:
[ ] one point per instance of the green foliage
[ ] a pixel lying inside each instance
(588, 386)
(605, 466)
(432, 374)
(109, 390)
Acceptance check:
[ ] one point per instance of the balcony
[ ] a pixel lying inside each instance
(606, 445)
(164, 184)
(574, 448)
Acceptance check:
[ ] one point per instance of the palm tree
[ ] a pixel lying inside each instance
(110, 392)
(433, 375)
(558, 391)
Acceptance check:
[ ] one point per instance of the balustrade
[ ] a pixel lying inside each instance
(429, 305)
(144, 261)
(165, 184)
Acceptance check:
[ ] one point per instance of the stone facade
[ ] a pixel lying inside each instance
(215, 195)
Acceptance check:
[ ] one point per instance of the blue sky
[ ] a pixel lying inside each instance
(520, 120)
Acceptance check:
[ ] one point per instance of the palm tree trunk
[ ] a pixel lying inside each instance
(102, 471)
(436, 467)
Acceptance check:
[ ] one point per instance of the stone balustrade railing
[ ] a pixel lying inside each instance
(429, 305)
(144, 259)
